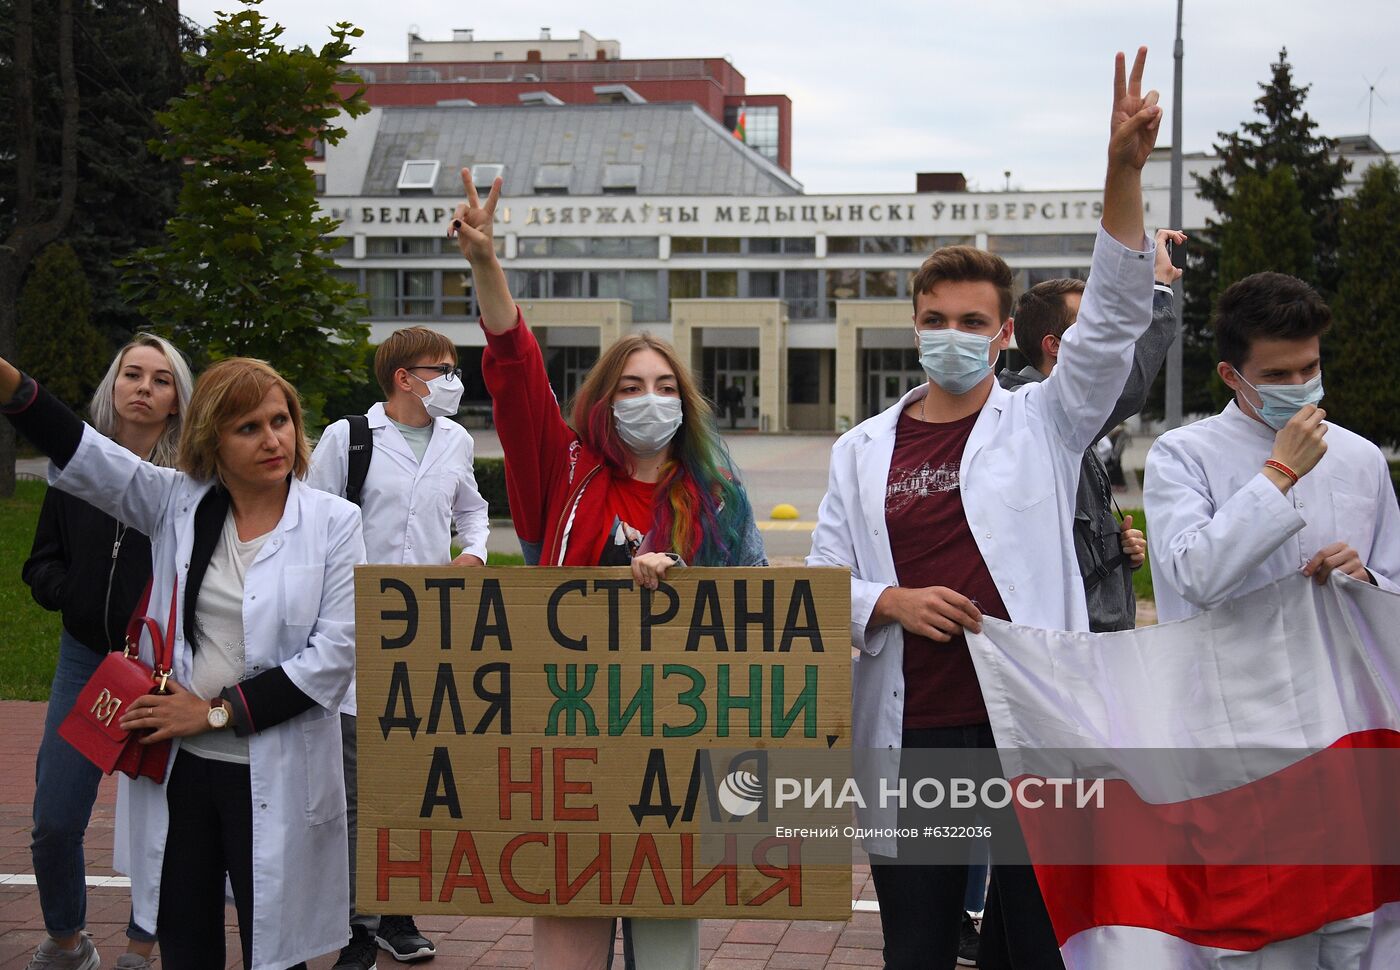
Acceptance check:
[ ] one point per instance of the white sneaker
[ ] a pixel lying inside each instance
(50, 956)
(132, 961)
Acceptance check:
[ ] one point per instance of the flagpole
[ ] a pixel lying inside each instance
(1173, 408)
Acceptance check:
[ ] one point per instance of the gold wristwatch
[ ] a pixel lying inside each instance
(218, 713)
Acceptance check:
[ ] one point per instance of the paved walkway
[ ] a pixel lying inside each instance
(462, 942)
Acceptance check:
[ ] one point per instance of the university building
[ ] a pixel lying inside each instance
(633, 215)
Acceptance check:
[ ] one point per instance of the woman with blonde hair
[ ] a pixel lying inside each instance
(642, 477)
(255, 572)
(92, 569)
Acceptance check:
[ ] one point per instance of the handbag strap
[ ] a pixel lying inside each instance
(161, 641)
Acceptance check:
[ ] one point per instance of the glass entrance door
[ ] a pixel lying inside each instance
(889, 374)
(731, 377)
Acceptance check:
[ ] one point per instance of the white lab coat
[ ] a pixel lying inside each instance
(299, 614)
(1018, 480)
(409, 507)
(1218, 528)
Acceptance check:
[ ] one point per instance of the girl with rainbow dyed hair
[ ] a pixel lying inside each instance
(642, 477)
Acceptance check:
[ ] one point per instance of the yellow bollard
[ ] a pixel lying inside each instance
(783, 511)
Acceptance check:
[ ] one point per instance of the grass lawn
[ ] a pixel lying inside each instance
(31, 633)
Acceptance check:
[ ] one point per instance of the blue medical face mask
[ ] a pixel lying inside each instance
(954, 360)
(1281, 401)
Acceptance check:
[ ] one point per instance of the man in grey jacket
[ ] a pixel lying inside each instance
(1107, 552)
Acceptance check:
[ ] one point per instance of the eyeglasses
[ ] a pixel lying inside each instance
(441, 370)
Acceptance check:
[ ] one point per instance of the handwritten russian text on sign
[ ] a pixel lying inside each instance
(564, 742)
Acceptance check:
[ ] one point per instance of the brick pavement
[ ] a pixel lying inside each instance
(462, 942)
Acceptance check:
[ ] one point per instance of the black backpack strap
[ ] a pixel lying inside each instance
(361, 448)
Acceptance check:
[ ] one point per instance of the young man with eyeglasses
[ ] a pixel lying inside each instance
(418, 485)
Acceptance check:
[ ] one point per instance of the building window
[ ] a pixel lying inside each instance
(802, 295)
(566, 284)
(1050, 244)
(458, 294)
(621, 178)
(684, 284)
(529, 284)
(925, 245)
(805, 377)
(417, 292)
(418, 174)
(635, 246)
(763, 284)
(532, 246)
(760, 127)
(643, 289)
(553, 178)
(568, 246)
(841, 284)
(707, 246)
(483, 174)
(721, 284)
(842, 245)
(606, 285)
(319, 178)
(881, 284)
(408, 246)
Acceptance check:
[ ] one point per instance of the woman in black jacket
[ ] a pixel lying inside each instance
(93, 569)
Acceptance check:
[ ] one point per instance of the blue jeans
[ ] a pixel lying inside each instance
(65, 789)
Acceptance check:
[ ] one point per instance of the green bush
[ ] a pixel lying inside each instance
(1395, 477)
(491, 482)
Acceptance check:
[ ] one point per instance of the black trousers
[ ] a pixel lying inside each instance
(211, 835)
(921, 906)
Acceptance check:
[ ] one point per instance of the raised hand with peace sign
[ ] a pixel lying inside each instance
(473, 226)
(1133, 126)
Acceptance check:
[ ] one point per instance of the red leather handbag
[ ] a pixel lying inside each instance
(93, 726)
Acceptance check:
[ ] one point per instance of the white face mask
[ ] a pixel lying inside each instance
(647, 423)
(444, 394)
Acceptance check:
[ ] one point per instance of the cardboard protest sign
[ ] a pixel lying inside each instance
(546, 742)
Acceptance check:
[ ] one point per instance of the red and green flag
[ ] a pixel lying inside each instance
(739, 131)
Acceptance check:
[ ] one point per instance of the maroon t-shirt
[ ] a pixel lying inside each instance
(933, 546)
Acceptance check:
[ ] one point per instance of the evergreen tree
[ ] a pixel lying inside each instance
(55, 337)
(243, 269)
(1267, 230)
(1364, 345)
(1282, 134)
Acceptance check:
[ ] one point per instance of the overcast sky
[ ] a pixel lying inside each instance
(885, 88)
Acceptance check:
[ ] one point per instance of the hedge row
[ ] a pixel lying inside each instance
(491, 482)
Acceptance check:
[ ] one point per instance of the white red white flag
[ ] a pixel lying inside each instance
(1252, 817)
